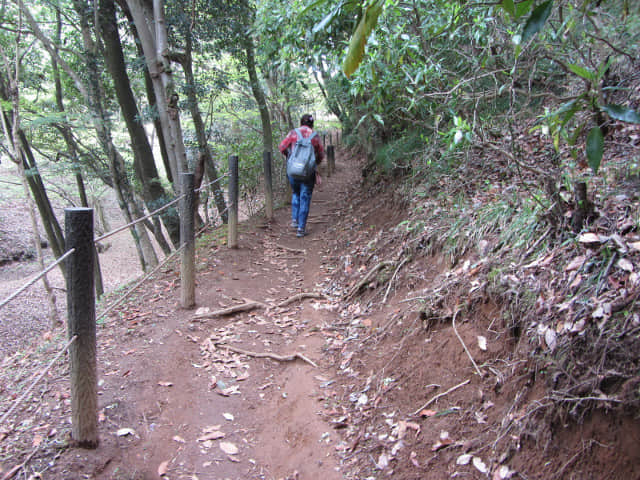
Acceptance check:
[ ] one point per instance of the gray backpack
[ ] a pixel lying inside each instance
(301, 164)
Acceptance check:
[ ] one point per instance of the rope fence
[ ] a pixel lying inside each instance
(20, 399)
(202, 187)
(81, 312)
(138, 220)
(36, 278)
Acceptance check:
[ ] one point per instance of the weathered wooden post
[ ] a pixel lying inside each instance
(268, 185)
(331, 160)
(81, 322)
(187, 242)
(232, 241)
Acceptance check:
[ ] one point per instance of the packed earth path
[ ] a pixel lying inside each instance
(193, 394)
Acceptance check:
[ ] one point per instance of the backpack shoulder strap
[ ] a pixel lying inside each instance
(299, 133)
(313, 135)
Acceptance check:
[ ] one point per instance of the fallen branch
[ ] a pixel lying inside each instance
(453, 324)
(289, 249)
(272, 356)
(243, 307)
(405, 260)
(440, 395)
(368, 276)
(300, 296)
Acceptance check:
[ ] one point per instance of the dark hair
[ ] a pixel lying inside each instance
(307, 119)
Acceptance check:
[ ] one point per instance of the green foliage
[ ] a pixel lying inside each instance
(595, 148)
(361, 35)
(536, 21)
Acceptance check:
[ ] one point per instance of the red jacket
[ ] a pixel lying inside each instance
(292, 137)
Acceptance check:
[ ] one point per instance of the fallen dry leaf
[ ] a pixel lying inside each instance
(215, 435)
(165, 384)
(163, 468)
(480, 465)
(442, 442)
(229, 448)
(179, 439)
(428, 413)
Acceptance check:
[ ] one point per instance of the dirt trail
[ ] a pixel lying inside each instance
(174, 400)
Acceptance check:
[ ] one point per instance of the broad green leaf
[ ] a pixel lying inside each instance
(509, 7)
(537, 20)
(581, 72)
(595, 148)
(360, 36)
(523, 7)
(326, 20)
(621, 113)
(378, 119)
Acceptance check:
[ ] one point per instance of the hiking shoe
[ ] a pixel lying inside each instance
(294, 224)
(301, 233)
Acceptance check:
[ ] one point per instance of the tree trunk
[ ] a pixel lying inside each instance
(153, 193)
(154, 45)
(203, 144)
(95, 100)
(73, 152)
(258, 93)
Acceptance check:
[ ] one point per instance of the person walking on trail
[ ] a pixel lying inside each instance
(304, 151)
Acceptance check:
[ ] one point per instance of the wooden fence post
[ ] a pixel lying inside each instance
(331, 160)
(81, 322)
(187, 242)
(268, 185)
(232, 241)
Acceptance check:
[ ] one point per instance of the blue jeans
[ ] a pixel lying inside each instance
(301, 200)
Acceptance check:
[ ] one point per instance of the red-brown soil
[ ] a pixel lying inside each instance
(173, 398)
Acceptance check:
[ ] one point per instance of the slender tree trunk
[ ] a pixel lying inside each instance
(73, 152)
(203, 144)
(95, 97)
(258, 93)
(12, 133)
(153, 193)
(155, 47)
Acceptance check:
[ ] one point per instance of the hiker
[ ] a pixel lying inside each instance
(302, 183)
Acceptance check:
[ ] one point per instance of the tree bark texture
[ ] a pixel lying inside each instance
(203, 145)
(153, 192)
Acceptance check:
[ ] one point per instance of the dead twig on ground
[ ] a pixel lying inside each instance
(252, 305)
(12, 473)
(453, 324)
(272, 356)
(367, 278)
(440, 395)
(289, 249)
(386, 295)
(243, 307)
(300, 296)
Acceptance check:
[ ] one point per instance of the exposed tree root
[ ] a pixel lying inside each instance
(252, 305)
(300, 296)
(272, 356)
(243, 307)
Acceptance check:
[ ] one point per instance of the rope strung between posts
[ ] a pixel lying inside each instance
(202, 187)
(35, 382)
(34, 280)
(144, 279)
(141, 219)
